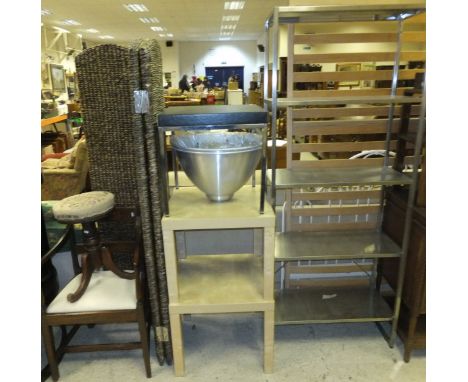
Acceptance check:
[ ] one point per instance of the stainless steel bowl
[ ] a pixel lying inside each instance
(218, 163)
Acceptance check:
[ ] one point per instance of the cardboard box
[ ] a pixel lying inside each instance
(233, 85)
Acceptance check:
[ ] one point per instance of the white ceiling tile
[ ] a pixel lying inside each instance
(186, 19)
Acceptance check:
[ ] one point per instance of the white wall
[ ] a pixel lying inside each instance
(195, 56)
(170, 61)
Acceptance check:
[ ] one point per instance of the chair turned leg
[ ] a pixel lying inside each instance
(49, 344)
(144, 339)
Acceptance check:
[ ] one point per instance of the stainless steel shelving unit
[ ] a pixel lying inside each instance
(340, 304)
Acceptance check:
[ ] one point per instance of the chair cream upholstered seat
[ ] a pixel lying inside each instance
(106, 291)
(85, 207)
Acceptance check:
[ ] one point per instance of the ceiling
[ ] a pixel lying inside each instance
(183, 20)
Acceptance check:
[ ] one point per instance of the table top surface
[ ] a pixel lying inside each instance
(212, 115)
(191, 209)
(51, 120)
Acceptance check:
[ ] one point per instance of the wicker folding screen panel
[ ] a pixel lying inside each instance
(122, 153)
(148, 174)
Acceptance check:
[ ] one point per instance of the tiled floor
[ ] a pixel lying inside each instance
(229, 348)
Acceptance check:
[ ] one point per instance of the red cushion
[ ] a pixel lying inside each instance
(53, 155)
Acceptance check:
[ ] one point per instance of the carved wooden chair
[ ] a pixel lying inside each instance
(100, 292)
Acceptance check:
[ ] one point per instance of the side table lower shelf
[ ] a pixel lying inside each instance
(221, 284)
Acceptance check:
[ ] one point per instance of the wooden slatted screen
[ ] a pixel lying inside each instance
(352, 64)
(349, 65)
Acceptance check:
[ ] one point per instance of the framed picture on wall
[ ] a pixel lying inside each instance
(353, 67)
(45, 76)
(57, 75)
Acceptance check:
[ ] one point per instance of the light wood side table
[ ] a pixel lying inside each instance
(220, 283)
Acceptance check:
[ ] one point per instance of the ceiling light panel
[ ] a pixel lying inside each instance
(233, 5)
(92, 30)
(228, 26)
(231, 18)
(70, 22)
(149, 20)
(157, 29)
(135, 7)
(45, 12)
(106, 37)
(170, 35)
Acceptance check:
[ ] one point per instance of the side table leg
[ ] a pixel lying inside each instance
(177, 344)
(269, 340)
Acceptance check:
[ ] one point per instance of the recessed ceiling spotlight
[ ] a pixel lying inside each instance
(231, 18)
(149, 20)
(226, 33)
(135, 7)
(45, 12)
(157, 29)
(70, 22)
(106, 37)
(92, 30)
(233, 5)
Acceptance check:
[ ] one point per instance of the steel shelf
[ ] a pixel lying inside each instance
(291, 246)
(352, 176)
(327, 305)
(356, 100)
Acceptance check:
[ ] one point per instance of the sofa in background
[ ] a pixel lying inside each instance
(65, 174)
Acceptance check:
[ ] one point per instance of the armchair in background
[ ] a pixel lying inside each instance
(65, 174)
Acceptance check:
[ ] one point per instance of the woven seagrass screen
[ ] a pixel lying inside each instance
(123, 151)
